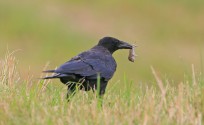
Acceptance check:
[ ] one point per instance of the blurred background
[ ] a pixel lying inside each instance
(169, 34)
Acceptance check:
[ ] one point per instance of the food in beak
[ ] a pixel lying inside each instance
(132, 54)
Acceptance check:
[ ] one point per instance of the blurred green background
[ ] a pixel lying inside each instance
(169, 33)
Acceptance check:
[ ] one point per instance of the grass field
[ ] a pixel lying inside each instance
(33, 102)
(163, 86)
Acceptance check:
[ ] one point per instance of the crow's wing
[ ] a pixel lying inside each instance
(88, 64)
(76, 67)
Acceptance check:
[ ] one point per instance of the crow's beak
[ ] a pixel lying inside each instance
(124, 45)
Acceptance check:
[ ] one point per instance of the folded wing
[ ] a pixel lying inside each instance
(89, 64)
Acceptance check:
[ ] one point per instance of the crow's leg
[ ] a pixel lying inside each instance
(70, 93)
(102, 88)
(71, 90)
(101, 92)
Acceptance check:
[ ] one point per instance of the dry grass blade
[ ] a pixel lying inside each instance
(145, 119)
(193, 75)
(8, 72)
(179, 103)
(161, 86)
(44, 82)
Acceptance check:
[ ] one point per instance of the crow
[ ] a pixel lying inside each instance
(90, 66)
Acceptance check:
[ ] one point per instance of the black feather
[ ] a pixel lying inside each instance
(49, 71)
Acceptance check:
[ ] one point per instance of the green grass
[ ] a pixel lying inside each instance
(37, 102)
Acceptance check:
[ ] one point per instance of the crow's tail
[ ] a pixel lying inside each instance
(51, 77)
(49, 71)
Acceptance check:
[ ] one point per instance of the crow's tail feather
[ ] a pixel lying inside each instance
(49, 71)
(48, 77)
(51, 77)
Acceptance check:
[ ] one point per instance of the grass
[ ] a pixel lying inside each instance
(31, 102)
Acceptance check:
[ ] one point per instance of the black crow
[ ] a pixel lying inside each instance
(85, 67)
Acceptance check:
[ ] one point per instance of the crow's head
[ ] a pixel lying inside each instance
(113, 44)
